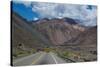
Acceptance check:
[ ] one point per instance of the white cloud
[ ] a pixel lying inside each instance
(35, 18)
(26, 3)
(54, 10)
(45, 9)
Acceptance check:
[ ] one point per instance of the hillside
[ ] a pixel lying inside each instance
(61, 32)
(25, 37)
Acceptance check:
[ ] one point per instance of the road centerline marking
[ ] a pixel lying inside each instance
(54, 58)
(34, 62)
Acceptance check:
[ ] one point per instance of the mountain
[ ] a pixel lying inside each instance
(24, 35)
(58, 31)
(67, 32)
(51, 32)
(69, 20)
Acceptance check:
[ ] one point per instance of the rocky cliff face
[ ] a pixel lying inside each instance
(62, 32)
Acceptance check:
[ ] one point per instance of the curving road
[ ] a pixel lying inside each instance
(38, 59)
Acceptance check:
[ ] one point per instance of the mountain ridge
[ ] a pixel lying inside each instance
(55, 32)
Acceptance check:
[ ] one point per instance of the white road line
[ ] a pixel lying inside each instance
(34, 62)
(54, 59)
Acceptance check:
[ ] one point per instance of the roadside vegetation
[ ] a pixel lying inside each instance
(21, 53)
(76, 56)
(71, 55)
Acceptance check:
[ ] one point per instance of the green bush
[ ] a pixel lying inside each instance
(65, 54)
(33, 50)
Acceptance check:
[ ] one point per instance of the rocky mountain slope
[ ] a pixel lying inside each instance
(24, 36)
(62, 32)
(51, 32)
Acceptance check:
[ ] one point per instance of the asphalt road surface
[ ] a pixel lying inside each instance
(39, 59)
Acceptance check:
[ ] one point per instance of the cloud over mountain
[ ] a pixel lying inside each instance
(86, 14)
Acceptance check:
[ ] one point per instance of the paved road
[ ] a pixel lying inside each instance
(38, 59)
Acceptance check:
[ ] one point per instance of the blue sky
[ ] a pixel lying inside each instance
(25, 12)
(86, 14)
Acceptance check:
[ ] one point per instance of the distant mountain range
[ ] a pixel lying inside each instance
(51, 32)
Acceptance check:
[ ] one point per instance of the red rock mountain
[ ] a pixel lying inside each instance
(61, 32)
